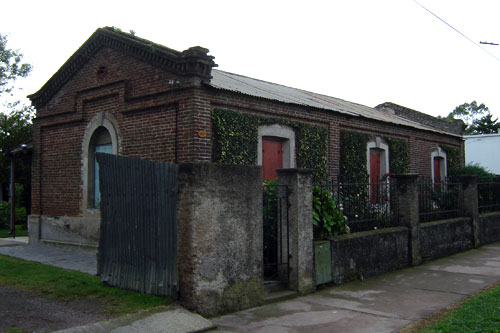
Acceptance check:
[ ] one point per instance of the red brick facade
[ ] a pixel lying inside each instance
(161, 112)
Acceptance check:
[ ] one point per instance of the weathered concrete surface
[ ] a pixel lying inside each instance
(64, 231)
(177, 320)
(220, 237)
(76, 260)
(385, 303)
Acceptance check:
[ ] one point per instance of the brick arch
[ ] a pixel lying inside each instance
(102, 120)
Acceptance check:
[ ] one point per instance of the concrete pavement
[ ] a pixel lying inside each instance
(386, 303)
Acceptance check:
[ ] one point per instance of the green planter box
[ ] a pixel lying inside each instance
(323, 262)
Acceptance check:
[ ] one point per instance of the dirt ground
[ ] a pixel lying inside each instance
(27, 313)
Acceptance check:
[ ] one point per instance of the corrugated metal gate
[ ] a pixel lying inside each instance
(138, 240)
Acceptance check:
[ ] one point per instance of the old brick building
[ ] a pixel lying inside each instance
(125, 95)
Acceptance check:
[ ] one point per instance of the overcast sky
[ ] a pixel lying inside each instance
(363, 51)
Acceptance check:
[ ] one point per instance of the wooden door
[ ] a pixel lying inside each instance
(272, 157)
(437, 172)
(375, 175)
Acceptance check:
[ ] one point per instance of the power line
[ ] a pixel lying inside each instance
(461, 34)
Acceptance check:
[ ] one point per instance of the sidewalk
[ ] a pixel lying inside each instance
(386, 303)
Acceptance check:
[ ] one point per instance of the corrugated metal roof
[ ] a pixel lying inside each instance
(273, 91)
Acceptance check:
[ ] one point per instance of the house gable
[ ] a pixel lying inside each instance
(193, 63)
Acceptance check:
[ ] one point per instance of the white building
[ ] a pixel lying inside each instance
(484, 150)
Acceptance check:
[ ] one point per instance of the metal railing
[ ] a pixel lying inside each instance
(439, 201)
(488, 197)
(276, 232)
(367, 206)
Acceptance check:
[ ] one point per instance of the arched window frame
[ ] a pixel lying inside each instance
(286, 134)
(378, 143)
(439, 153)
(100, 120)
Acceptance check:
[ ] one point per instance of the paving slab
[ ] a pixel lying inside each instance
(386, 303)
(76, 260)
(176, 320)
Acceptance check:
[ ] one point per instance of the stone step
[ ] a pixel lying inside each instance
(278, 296)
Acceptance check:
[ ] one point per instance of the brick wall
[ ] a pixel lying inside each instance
(421, 143)
(154, 121)
(159, 121)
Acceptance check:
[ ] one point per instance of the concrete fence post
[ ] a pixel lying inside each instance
(300, 219)
(406, 212)
(471, 203)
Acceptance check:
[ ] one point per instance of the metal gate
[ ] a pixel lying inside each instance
(138, 239)
(276, 233)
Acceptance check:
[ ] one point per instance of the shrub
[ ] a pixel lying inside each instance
(5, 215)
(328, 220)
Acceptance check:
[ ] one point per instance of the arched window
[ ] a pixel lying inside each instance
(100, 137)
(99, 143)
(438, 166)
(276, 149)
(377, 156)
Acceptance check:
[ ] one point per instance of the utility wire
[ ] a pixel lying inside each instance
(461, 34)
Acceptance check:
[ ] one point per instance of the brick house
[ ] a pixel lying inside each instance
(125, 95)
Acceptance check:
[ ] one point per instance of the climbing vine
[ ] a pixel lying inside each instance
(399, 155)
(353, 157)
(453, 160)
(353, 165)
(235, 140)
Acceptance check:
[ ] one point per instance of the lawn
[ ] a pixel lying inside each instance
(480, 313)
(66, 285)
(20, 231)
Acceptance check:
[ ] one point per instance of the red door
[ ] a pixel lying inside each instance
(437, 172)
(374, 175)
(272, 158)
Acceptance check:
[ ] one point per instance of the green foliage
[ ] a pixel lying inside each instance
(328, 220)
(66, 285)
(11, 66)
(235, 140)
(453, 161)
(480, 313)
(21, 231)
(483, 175)
(353, 157)
(478, 118)
(312, 148)
(235, 137)
(270, 206)
(399, 155)
(5, 215)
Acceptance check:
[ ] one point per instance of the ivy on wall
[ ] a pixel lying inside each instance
(353, 167)
(399, 155)
(453, 160)
(235, 140)
(353, 164)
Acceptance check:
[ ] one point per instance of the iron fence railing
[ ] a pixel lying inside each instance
(488, 197)
(439, 201)
(367, 206)
(276, 232)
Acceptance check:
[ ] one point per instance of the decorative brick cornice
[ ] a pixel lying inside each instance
(193, 62)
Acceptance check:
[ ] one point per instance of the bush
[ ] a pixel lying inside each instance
(483, 175)
(328, 220)
(5, 215)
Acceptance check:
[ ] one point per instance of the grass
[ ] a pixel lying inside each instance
(479, 313)
(66, 285)
(20, 232)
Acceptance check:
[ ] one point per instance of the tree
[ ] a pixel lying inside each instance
(15, 119)
(478, 118)
(11, 66)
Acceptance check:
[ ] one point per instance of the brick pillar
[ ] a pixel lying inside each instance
(300, 223)
(471, 204)
(406, 212)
